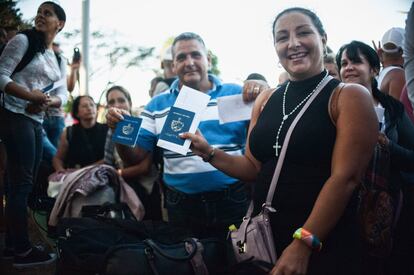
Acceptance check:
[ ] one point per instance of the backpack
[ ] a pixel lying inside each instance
(379, 205)
(27, 57)
(112, 246)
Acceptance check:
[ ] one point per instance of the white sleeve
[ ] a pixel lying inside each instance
(62, 91)
(409, 54)
(11, 56)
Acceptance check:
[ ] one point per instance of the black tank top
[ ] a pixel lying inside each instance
(86, 146)
(306, 168)
(307, 163)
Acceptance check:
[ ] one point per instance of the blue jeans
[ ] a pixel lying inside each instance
(22, 138)
(408, 178)
(208, 214)
(49, 150)
(54, 126)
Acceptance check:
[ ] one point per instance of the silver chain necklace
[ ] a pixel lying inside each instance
(277, 146)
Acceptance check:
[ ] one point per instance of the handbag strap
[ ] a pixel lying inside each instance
(279, 164)
(272, 188)
(160, 250)
(197, 262)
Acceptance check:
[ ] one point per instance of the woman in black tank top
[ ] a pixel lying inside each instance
(83, 143)
(324, 161)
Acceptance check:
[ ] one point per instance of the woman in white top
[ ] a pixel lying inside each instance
(21, 114)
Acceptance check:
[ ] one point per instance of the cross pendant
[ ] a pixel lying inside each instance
(277, 146)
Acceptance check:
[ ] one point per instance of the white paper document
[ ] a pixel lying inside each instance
(54, 85)
(232, 108)
(183, 117)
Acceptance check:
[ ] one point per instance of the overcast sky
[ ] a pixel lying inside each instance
(237, 31)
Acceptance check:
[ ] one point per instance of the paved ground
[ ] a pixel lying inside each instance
(36, 237)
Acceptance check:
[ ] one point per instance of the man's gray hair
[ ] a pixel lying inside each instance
(187, 36)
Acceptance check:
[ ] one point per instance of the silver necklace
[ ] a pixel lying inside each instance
(277, 146)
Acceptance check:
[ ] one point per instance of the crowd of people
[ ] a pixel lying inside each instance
(231, 164)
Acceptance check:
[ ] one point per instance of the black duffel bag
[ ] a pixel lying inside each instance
(82, 242)
(191, 256)
(90, 246)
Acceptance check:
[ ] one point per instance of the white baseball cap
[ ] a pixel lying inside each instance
(392, 40)
(167, 56)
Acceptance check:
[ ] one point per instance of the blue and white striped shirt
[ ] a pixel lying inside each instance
(190, 174)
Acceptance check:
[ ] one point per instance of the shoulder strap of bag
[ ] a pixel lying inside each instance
(279, 164)
(272, 188)
(197, 262)
(69, 133)
(27, 57)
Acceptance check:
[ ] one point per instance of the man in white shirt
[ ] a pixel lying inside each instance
(391, 79)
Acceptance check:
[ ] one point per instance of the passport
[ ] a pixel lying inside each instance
(178, 121)
(184, 116)
(127, 130)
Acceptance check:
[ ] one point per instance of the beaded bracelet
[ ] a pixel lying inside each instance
(210, 155)
(308, 238)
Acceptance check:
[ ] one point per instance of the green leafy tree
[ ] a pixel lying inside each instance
(214, 64)
(113, 50)
(104, 47)
(109, 51)
(10, 15)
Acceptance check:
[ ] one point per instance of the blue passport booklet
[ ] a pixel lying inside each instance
(127, 130)
(184, 116)
(178, 121)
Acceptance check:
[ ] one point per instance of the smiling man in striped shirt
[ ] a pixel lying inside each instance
(198, 196)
